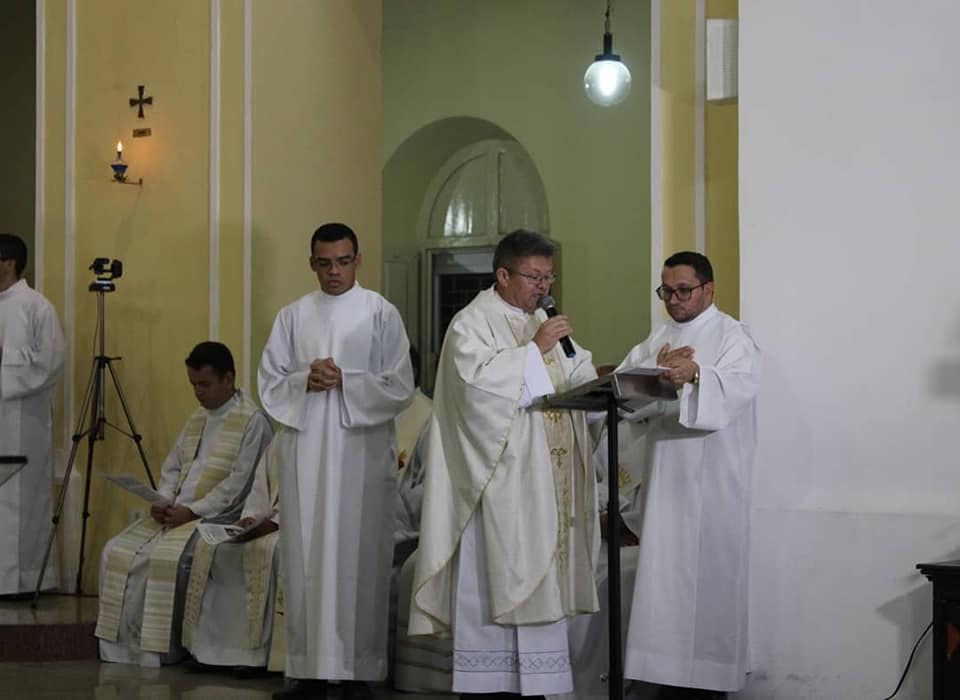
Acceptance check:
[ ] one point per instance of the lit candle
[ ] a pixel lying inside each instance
(119, 151)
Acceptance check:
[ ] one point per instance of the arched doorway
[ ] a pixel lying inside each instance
(482, 190)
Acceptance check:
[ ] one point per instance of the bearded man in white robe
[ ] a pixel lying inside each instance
(335, 373)
(509, 528)
(144, 570)
(688, 622)
(31, 362)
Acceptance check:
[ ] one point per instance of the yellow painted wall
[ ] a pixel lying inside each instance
(231, 181)
(159, 231)
(314, 158)
(721, 144)
(677, 115)
(316, 142)
(677, 92)
(53, 186)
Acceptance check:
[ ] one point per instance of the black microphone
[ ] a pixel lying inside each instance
(549, 306)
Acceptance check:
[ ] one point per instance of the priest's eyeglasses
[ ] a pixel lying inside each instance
(536, 279)
(327, 263)
(681, 293)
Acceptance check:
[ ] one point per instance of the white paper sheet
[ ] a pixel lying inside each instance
(138, 488)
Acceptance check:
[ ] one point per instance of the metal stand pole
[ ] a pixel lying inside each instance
(94, 403)
(613, 550)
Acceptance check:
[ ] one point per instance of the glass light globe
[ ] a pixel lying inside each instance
(607, 82)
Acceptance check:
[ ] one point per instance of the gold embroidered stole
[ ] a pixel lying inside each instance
(257, 564)
(257, 567)
(560, 439)
(164, 559)
(199, 572)
(278, 641)
(114, 583)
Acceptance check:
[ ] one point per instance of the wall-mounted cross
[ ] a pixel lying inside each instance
(140, 101)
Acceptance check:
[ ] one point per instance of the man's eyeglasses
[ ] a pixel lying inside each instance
(536, 279)
(681, 293)
(327, 263)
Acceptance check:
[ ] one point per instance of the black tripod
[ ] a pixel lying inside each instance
(94, 403)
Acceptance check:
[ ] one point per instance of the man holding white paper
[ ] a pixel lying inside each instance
(688, 622)
(31, 362)
(206, 475)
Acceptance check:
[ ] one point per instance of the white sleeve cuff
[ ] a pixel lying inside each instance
(536, 379)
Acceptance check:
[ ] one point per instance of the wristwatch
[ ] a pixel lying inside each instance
(696, 377)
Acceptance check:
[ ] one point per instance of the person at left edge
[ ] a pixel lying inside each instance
(31, 362)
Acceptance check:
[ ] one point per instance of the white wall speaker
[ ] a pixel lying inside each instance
(721, 57)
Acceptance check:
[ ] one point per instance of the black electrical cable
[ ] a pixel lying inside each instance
(903, 676)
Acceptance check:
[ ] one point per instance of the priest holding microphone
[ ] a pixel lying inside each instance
(509, 527)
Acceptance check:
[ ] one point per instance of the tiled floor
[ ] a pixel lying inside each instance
(66, 680)
(51, 609)
(89, 678)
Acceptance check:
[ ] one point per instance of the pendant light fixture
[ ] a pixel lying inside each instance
(607, 80)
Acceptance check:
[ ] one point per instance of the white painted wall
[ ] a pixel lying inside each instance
(849, 186)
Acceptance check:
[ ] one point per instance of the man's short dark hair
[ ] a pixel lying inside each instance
(333, 232)
(697, 261)
(211, 354)
(13, 248)
(521, 244)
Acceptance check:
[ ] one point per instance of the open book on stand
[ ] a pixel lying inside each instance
(632, 388)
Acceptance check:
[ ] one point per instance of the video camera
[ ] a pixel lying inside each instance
(106, 270)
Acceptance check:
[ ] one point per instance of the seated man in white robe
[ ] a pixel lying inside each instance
(31, 362)
(144, 569)
(688, 624)
(229, 611)
(336, 373)
(509, 529)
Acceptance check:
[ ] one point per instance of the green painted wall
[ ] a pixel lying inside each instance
(519, 66)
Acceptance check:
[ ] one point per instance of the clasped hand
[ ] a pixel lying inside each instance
(173, 515)
(679, 364)
(551, 331)
(324, 375)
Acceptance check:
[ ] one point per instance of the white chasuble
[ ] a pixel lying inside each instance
(338, 482)
(31, 361)
(688, 623)
(509, 532)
